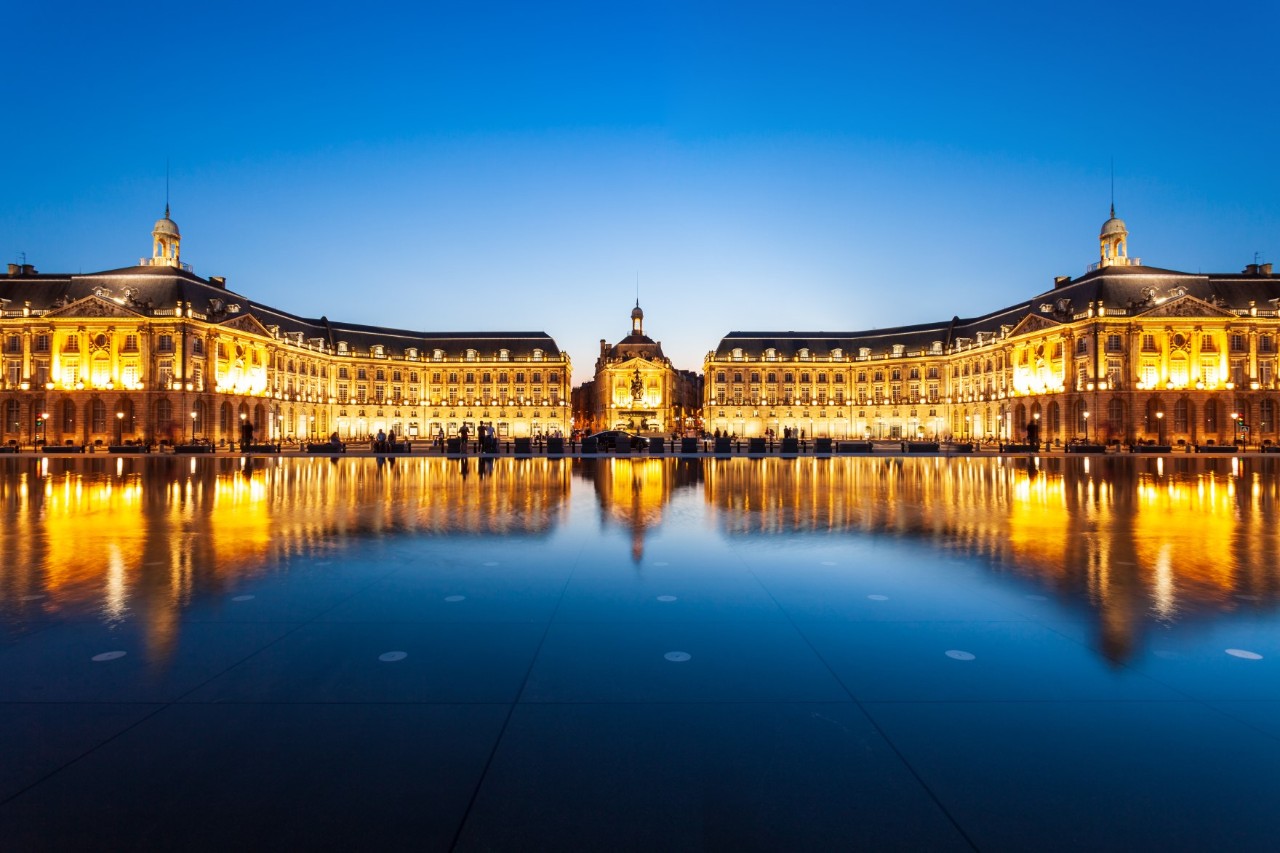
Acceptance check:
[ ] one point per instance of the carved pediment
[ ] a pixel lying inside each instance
(246, 323)
(1033, 323)
(93, 306)
(1186, 306)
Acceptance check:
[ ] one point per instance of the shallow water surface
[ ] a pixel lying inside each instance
(614, 653)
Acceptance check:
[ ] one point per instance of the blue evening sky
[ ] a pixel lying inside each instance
(519, 166)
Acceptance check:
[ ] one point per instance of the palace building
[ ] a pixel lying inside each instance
(156, 353)
(636, 388)
(1124, 353)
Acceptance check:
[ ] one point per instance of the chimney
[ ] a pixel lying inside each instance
(13, 269)
(1264, 269)
(1251, 269)
(1060, 280)
(604, 347)
(218, 281)
(28, 269)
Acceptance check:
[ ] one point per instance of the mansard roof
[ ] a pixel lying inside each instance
(1122, 290)
(145, 290)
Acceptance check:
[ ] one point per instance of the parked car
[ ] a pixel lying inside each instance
(611, 439)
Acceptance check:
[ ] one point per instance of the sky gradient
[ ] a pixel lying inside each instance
(790, 166)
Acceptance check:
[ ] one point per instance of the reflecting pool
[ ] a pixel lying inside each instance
(638, 653)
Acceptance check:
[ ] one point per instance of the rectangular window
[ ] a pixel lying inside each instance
(13, 345)
(1237, 372)
(1264, 374)
(42, 343)
(1209, 373)
(197, 346)
(1237, 343)
(1266, 343)
(1149, 343)
(164, 343)
(15, 372)
(1114, 343)
(1082, 346)
(73, 344)
(165, 368)
(42, 373)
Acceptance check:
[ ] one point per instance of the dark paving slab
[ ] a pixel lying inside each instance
(667, 591)
(481, 662)
(481, 594)
(759, 776)
(38, 738)
(1263, 716)
(727, 661)
(160, 662)
(1234, 660)
(928, 661)
(1073, 776)
(261, 777)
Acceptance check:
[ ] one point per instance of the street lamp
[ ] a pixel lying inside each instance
(42, 424)
(119, 428)
(1160, 428)
(193, 425)
(1086, 427)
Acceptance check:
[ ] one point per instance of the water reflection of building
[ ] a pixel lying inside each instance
(141, 538)
(1137, 540)
(634, 492)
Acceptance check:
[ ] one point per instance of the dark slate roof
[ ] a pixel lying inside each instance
(148, 289)
(1134, 289)
(636, 345)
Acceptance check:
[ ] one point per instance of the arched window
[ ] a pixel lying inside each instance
(68, 416)
(1266, 417)
(1211, 417)
(98, 415)
(12, 417)
(1115, 416)
(164, 416)
(1181, 415)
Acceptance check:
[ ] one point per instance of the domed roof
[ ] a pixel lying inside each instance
(636, 313)
(1113, 225)
(166, 225)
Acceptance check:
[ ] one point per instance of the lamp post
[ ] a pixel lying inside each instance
(1086, 427)
(41, 426)
(193, 424)
(1160, 428)
(119, 428)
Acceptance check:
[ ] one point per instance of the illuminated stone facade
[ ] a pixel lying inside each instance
(637, 388)
(156, 353)
(1123, 353)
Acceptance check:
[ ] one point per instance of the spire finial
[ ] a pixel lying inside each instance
(1113, 187)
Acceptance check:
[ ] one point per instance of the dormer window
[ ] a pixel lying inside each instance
(898, 349)
(936, 347)
(411, 353)
(864, 352)
(771, 354)
(803, 355)
(737, 354)
(837, 354)
(377, 350)
(504, 355)
(471, 355)
(342, 347)
(437, 355)
(537, 355)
